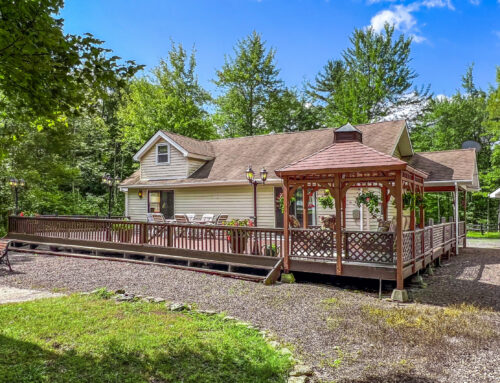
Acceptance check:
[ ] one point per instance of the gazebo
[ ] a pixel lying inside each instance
(349, 163)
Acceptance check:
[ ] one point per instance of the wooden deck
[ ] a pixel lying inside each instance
(237, 251)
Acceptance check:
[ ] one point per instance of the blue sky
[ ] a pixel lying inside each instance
(449, 34)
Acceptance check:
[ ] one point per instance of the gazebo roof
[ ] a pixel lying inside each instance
(344, 156)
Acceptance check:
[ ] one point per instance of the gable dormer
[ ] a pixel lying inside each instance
(169, 156)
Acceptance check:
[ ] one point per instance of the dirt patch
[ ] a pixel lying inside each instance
(346, 335)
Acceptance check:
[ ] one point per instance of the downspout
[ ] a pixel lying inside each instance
(456, 217)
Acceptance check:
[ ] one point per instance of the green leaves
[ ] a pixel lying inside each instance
(371, 80)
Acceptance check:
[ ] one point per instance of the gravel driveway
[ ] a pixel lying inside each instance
(324, 324)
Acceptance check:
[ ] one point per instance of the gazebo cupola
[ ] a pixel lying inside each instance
(347, 133)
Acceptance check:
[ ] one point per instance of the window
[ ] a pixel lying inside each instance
(162, 201)
(162, 153)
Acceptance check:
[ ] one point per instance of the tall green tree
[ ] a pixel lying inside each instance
(372, 80)
(170, 98)
(250, 87)
(448, 124)
(44, 71)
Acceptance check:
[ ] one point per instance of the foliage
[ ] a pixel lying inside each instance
(281, 200)
(85, 338)
(170, 99)
(250, 89)
(239, 222)
(326, 200)
(47, 73)
(372, 79)
(370, 200)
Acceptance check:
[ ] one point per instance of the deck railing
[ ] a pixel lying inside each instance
(358, 246)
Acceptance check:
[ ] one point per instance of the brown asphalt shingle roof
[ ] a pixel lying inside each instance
(231, 156)
(344, 155)
(447, 165)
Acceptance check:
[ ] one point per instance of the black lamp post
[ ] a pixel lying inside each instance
(110, 182)
(251, 179)
(16, 184)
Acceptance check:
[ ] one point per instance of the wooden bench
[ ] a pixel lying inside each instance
(4, 252)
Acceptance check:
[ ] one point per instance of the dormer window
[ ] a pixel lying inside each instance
(163, 154)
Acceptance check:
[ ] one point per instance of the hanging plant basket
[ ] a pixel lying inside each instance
(371, 201)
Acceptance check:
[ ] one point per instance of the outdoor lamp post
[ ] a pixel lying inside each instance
(16, 184)
(110, 182)
(251, 179)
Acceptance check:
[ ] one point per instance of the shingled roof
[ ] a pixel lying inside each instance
(447, 165)
(344, 155)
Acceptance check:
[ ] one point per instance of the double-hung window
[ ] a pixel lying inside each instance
(162, 153)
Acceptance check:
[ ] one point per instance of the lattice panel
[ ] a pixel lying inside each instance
(407, 247)
(427, 239)
(374, 247)
(447, 232)
(437, 235)
(461, 228)
(418, 243)
(312, 243)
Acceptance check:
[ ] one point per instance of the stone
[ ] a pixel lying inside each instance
(430, 270)
(158, 300)
(399, 295)
(285, 351)
(274, 344)
(179, 306)
(301, 370)
(120, 291)
(124, 298)
(287, 278)
(229, 318)
(207, 312)
(297, 379)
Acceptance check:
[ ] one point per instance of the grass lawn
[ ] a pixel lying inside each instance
(82, 338)
(489, 235)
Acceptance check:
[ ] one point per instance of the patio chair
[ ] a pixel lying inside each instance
(157, 230)
(182, 219)
(207, 218)
(190, 216)
(221, 218)
(4, 252)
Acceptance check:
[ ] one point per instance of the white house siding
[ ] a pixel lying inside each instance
(194, 165)
(237, 201)
(177, 168)
(136, 207)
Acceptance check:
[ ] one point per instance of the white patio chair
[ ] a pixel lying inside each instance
(182, 219)
(221, 218)
(207, 218)
(190, 216)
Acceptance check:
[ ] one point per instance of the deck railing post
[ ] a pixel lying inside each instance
(144, 233)
(170, 236)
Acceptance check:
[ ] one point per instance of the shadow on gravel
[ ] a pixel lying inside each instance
(392, 378)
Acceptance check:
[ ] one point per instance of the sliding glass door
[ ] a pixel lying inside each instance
(161, 201)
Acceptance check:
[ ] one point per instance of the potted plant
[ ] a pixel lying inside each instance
(326, 200)
(271, 250)
(371, 201)
(124, 231)
(238, 238)
(281, 201)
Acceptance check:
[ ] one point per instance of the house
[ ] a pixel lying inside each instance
(178, 174)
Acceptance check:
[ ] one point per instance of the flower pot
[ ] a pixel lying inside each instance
(238, 241)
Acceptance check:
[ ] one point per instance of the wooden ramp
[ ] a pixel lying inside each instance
(252, 268)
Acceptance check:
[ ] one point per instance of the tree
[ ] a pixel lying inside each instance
(47, 73)
(170, 98)
(450, 122)
(371, 81)
(250, 88)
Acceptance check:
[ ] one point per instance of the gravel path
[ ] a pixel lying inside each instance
(324, 324)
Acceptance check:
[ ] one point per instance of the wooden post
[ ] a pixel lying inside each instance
(286, 225)
(399, 232)
(305, 209)
(422, 211)
(465, 219)
(338, 222)
(384, 202)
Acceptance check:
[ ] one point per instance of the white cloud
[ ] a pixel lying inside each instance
(475, 2)
(403, 16)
